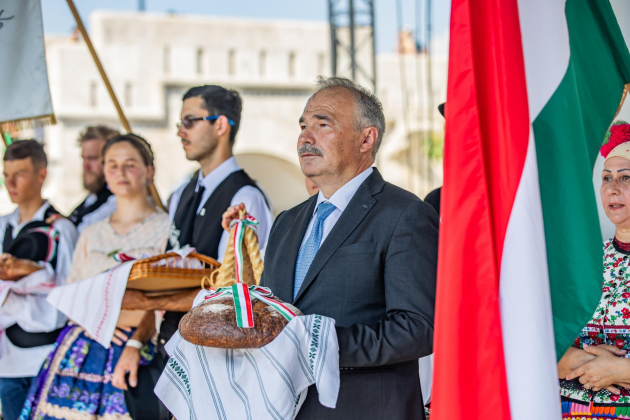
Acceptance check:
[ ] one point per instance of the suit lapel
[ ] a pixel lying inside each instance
(359, 206)
(294, 241)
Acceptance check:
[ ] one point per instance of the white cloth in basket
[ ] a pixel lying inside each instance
(255, 384)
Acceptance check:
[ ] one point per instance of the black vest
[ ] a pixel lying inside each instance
(31, 245)
(28, 243)
(207, 229)
(81, 211)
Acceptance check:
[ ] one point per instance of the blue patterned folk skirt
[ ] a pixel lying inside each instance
(75, 381)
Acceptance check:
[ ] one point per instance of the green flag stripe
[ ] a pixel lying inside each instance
(568, 134)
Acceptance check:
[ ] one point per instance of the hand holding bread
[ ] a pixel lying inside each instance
(13, 269)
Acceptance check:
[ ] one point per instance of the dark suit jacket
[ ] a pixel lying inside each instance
(375, 275)
(434, 198)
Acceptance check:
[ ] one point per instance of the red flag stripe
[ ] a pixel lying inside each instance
(248, 305)
(234, 244)
(487, 132)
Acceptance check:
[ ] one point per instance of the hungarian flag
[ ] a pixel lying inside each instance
(533, 86)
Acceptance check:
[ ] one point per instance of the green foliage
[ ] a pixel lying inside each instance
(434, 144)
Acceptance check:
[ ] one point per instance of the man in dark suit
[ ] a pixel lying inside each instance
(363, 252)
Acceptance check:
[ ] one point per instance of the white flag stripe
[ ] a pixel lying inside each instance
(526, 314)
(546, 50)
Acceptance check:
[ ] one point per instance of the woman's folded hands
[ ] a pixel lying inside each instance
(606, 368)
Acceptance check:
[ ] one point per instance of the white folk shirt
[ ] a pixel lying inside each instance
(32, 312)
(253, 199)
(340, 200)
(104, 211)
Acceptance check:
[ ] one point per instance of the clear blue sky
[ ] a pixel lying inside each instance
(58, 19)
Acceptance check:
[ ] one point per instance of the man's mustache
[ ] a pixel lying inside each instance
(307, 148)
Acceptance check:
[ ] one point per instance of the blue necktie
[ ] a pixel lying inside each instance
(311, 246)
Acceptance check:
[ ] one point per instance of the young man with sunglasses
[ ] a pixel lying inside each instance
(211, 117)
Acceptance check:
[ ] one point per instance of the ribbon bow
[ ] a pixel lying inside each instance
(120, 257)
(242, 295)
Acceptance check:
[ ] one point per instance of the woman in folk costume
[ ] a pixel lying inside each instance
(79, 379)
(595, 371)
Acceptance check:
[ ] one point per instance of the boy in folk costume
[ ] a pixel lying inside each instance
(30, 324)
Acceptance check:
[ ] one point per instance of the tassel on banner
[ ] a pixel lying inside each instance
(27, 123)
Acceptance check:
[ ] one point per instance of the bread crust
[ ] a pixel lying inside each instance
(213, 324)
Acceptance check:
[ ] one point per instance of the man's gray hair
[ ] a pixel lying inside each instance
(369, 108)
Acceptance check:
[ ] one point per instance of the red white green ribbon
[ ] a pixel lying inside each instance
(237, 242)
(243, 295)
(240, 291)
(53, 239)
(243, 305)
(121, 257)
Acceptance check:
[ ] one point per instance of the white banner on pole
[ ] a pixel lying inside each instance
(24, 91)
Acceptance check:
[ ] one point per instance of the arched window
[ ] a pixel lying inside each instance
(321, 64)
(262, 63)
(291, 64)
(166, 59)
(200, 60)
(93, 94)
(232, 62)
(128, 94)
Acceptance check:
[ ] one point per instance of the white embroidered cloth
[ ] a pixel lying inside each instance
(94, 303)
(35, 317)
(25, 304)
(38, 282)
(256, 384)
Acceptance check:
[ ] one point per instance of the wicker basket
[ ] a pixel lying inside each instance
(171, 273)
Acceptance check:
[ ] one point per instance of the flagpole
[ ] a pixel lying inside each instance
(99, 66)
(624, 95)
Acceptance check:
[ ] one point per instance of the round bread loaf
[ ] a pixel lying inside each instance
(213, 324)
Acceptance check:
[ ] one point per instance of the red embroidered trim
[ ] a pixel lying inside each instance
(621, 245)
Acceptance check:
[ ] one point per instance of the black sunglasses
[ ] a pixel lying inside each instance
(189, 122)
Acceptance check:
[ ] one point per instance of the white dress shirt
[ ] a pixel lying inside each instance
(31, 311)
(104, 211)
(253, 199)
(90, 199)
(340, 200)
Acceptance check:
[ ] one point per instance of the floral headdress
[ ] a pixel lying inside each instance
(618, 134)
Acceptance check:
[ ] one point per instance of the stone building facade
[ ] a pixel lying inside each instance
(152, 59)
